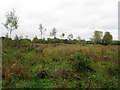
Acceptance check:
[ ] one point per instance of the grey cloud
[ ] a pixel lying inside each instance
(80, 17)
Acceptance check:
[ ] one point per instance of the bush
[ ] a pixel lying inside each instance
(82, 62)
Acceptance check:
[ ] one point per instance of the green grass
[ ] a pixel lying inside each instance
(62, 66)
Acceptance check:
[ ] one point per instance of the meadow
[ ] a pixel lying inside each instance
(51, 55)
(60, 66)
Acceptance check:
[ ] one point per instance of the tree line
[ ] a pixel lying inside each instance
(11, 24)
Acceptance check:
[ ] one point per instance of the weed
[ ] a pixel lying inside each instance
(82, 63)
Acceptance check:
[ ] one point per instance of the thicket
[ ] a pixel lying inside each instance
(17, 42)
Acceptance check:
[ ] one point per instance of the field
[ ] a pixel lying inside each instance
(60, 66)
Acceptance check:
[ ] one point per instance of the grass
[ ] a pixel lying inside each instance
(60, 66)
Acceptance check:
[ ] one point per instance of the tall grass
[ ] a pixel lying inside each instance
(60, 66)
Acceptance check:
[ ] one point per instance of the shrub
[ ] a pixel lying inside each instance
(82, 62)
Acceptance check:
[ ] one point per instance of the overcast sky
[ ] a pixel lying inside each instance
(79, 17)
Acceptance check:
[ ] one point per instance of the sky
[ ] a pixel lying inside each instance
(79, 17)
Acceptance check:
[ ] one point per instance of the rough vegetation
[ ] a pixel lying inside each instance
(58, 62)
(60, 66)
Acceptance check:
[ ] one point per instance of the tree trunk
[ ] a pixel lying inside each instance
(41, 35)
(10, 33)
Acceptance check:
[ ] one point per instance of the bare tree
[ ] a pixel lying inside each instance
(53, 33)
(41, 30)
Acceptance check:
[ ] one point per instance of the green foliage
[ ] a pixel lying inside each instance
(113, 69)
(102, 81)
(42, 41)
(35, 39)
(97, 37)
(83, 42)
(41, 83)
(25, 41)
(107, 39)
(60, 66)
(82, 62)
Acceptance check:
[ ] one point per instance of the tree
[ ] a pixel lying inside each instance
(78, 37)
(26, 37)
(70, 36)
(35, 39)
(53, 33)
(62, 35)
(107, 38)
(21, 37)
(6, 36)
(11, 22)
(83, 42)
(16, 40)
(97, 37)
(41, 30)
(16, 37)
(7, 39)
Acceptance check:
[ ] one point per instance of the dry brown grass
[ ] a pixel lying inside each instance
(94, 52)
